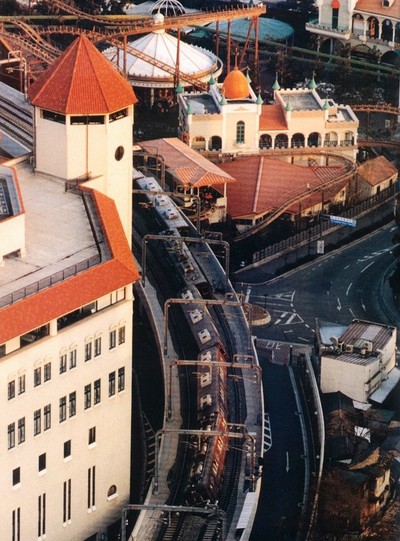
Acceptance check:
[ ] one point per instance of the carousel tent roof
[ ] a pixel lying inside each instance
(193, 60)
(267, 29)
(166, 7)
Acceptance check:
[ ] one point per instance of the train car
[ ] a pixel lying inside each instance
(200, 322)
(206, 474)
(167, 213)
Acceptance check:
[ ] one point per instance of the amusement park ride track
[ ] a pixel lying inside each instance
(31, 43)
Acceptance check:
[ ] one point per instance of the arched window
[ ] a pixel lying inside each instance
(240, 132)
(199, 143)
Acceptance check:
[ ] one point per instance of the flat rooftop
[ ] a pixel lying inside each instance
(201, 104)
(58, 232)
(301, 101)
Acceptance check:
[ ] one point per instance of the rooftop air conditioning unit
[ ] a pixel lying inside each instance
(349, 348)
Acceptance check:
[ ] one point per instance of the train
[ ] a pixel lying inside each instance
(208, 452)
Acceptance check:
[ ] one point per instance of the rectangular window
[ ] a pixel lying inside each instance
(72, 404)
(122, 113)
(42, 515)
(67, 449)
(47, 417)
(16, 525)
(97, 347)
(37, 376)
(11, 435)
(21, 384)
(88, 351)
(63, 408)
(121, 379)
(88, 396)
(63, 363)
(240, 132)
(37, 422)
(21, 430)
(113, 339)
(92, 435)
(42, 462)
(47, 372)
(111, 384)
(16, 476)
(54, 117)
(72, 358)
(121, 335)
(91, 496)
(11, 389)
(67, 501)
(97, 391)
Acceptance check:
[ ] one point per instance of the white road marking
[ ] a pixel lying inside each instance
(365, 268)
(246, 299)
(352, 313)
(363, 305)
(339, 306)
(348, 289)
(347, 266)
(301, 338)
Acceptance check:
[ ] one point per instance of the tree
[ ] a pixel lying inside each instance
(103, 7)
(9, 7)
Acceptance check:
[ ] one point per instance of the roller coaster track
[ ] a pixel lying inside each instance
(375, 143)
(35, 36)
(351, 169)
(147, 25)
(374, 108)
(50, 53)
(28, 48)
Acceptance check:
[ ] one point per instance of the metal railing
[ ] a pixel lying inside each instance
(49, 281)
(323, 226)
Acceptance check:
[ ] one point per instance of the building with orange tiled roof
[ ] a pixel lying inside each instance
(374, 176)
(66, 275)
(369, 26)
(264, 185)
(230, 118)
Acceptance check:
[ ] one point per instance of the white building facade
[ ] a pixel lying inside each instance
(232, 119)
(66, 308)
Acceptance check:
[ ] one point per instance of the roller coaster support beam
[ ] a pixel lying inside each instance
(209, 509)
(206, 433)
(217, 364)
(23, 67)
(204, 302)
(187, 240)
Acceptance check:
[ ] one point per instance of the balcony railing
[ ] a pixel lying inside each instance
(48, 281)
(328, 28)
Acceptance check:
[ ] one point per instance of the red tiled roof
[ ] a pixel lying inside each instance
(377, 170)
(265, 184)
(81, 81)
(376, 7)
(185, 164)
(272, 118)
(68, 295)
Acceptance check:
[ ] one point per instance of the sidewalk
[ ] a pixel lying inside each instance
(295, 256)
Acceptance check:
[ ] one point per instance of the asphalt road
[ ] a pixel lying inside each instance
(337, 287)
(282, 489)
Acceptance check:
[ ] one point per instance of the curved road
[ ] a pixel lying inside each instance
(337, 287)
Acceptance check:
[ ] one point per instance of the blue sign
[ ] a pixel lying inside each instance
(339, 220)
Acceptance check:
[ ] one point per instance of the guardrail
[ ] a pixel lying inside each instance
(49, 281)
